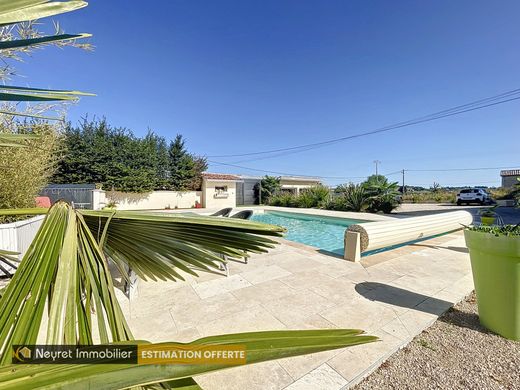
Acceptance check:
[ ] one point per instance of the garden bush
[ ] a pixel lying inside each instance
(26, 170)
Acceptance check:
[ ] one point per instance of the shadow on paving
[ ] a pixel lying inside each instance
(461, 249)
(396, 296)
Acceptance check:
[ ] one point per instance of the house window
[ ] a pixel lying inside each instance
(221, 190)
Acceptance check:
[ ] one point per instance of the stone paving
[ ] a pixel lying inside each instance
(394, 295)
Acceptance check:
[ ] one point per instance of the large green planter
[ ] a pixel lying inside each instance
(495, 262)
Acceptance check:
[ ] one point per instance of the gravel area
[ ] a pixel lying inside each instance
(456, 352)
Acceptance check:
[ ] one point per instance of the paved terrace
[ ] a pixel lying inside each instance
(393, 295)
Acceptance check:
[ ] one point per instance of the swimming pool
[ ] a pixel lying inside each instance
(326, 233)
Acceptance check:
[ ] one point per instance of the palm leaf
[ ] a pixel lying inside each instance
(66, 267)
(14, 11)
(40, 41)
(260, 347)
(21, 94)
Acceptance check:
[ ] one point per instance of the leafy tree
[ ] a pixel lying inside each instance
(270, 186)
(97, 153)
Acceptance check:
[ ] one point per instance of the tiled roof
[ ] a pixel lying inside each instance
(510, 172)
(218, 176)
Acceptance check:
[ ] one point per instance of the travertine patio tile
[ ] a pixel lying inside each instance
(299, 366)
(314, 321)
(338, 268)
(254, 318)
(299, 263)
(397, 329)
(321, 378)
(337, 290)
(220, 286)
(355, 361)
(194, 313)
(299, 280)
(422, 285)
(264, 274)
(264, 292)
(154, 327)
(297, 306)
(359, 313)
(261, 376)
(416, 321)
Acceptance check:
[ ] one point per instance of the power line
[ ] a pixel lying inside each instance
(358, 177)
(457, 110)
(457, 169)
(285, 173)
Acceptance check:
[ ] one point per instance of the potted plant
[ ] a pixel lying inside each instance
(488, 215)
(495, 263)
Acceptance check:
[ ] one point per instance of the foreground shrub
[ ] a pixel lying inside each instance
(349, 197)
(26, 170)
(284, 199)
(315, 196)
(382, 194)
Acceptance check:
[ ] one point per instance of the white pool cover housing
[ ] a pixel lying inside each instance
(376, 235)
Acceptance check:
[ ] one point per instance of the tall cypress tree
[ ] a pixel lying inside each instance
(181, 165)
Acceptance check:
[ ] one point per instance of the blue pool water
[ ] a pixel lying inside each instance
(326, 233)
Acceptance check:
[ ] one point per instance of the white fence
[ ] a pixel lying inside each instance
(18, 236)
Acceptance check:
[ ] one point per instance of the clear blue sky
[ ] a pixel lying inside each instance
(242, 76)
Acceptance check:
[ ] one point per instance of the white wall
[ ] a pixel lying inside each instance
(156, 200)
(18, 236)
(212, 200)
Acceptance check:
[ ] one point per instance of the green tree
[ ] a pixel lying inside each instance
(95, 152)
(270, 186)
(185, 168)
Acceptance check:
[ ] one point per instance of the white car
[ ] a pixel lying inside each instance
(473, 195)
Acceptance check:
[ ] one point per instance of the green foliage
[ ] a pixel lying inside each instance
(284, 199)
(270, 186)
(185, 169)
(96, 152)
(352, 198)
(382, 194)
(20, 35)
(498, 230)
(315, 196)
(26, 170)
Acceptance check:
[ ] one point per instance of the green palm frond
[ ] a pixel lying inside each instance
(19, 43)
(259, 346)
(21, 94)
(15, 11)
(66, 267)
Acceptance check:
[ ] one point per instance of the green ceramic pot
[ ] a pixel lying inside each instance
(495, 263)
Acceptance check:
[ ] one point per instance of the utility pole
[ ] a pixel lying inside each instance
(377, 162)
(404, 190)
